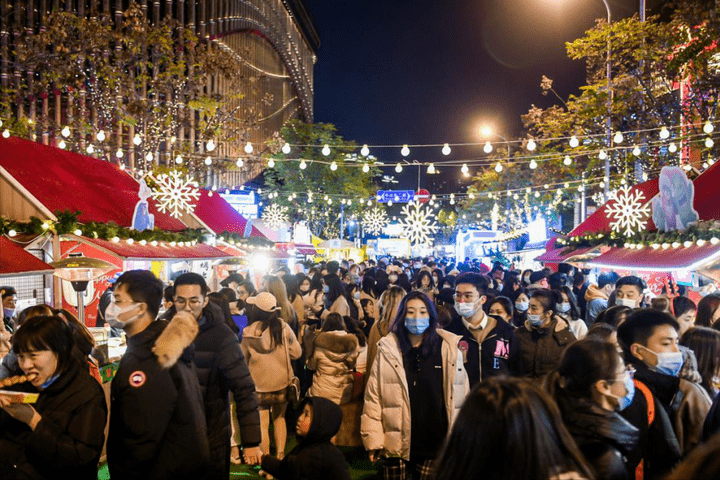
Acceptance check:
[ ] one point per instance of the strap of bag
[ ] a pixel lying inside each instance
(640, 469)
(287, 355)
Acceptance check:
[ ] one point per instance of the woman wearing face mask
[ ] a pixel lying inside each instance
(521, 301)
(416, 387)
(352, 296)
(591, 385)
(335, 301)
(567, 308)
(62, 434)
(424, 283)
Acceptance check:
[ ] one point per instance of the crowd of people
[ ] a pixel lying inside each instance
(439, 370)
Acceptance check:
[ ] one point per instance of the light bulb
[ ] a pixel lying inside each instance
(65, 132)
(366, 168)
(574, 142)
(208, 161)
(248, 148)
(711, 161)
(119, 153)
(567, 161)
(90, 149)
(286, 148)
(709, 142)
(6, 133)
(210, 146)
(708, 127)
(446, 149)
(636, 151)
(78, 232)
(488, 147)
(178, 159)
(390, 203)
(271, 163)
(326, 150)
(122, 166)
(239, 162)
(498, 167)
(465, 169)
(149, 157)
(303, 165)
(398, 168)
(173, 139)
(364, 151)
(664, 133)
(405, 151)
(602, 155)
(431, 169)
(672, 148)
(618, 138)
(136, 139)
(333, 166)
(531, 145)
(533, 164)
(329, 201)
(61, 144)
(100, 136)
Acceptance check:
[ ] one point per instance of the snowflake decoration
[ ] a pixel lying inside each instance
(375, 220)
(418, 224)
(629, 212)
(175, 193)
(275, 215)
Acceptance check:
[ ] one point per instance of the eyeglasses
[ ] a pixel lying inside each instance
(629, 370)
(194, 302)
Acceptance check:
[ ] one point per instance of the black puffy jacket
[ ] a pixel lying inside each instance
(607, 441)
(221, 368)
(68, 440)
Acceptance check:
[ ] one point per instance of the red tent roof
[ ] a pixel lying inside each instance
(220, 216)
(658, 260)
(162, 251)
(63, 180)
(16, 261)
(559, 255)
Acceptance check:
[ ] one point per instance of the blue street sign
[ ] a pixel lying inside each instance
(395, 196)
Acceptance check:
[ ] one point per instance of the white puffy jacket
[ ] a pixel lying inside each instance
(385, 422)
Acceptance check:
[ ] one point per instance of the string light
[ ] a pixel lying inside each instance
(446, 149)
(65, 132)
(533, 164)
(488, 147)
(574, 142)
(62, 145)
(208, 161)
(636, 151)
(303, 165)
(326, 150)
(365, 151)
(137, 140)
(179, 159)
(498, 167)
(6, 133)
(431, 169)
(664, 133)
(398, 168)
(210, 145)
(248, 148)
(240, 163)
(333, 166)
(286, 148)
(465, 169)
(119, 153)
(149, 157)
(100, 136)
(531, 145)
(90, 149)
(708, 127)
(365, 168)
(709, 142)
(602, 155)
(567, 161)
(404, 151)
(672, 148)
(271, 163)
(618, 138)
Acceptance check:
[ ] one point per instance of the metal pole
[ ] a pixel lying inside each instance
(342, 221)
(608, 123)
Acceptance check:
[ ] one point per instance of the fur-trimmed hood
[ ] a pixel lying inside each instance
(175, 338)
(336, 343)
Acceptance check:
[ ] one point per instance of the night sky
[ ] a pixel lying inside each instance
(433, 71)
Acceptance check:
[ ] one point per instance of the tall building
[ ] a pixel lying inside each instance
(274, 43)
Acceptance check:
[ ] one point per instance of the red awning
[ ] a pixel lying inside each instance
(62, 180)
(220, 216)
(15, 261)
(232, 250)
(301, 248)
(161, 251)
(692, 258)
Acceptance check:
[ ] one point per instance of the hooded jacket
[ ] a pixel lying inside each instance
(68, 440)
(269, 363)
(157, 426)
(385, 422)
(333, 360)
(221, 369)
(314, 457)
(605, 438)
(542, 348)
(597, 301)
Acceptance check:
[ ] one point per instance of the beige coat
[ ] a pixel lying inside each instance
(268, 363)
(385, 421)
(333, 361)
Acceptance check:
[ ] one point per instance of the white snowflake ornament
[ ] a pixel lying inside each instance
(417, 224)
(629, 212)
(375, 220)
(275, 215)
(175, 193)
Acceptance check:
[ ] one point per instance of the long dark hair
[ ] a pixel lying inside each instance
(335, 289)
(574, 312)
(46, 332)
(705, 310)
(222, 302)
(514, 431)
(705, 343)
(267, 320)
(368, 285)
(431, 340)
(417, 283)
(582, 364)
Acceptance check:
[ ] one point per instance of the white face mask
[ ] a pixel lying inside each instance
(113, 311)
(625, 302)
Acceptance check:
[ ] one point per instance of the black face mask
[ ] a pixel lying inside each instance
(304, 292)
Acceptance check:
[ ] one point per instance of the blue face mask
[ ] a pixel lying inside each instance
(623, 402)
(668, 363)
(563, 307)
(8, 312)
(418, 325)
(326, 289)
(535, 320)
(522, 306)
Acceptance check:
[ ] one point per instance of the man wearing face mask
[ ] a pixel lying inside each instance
(629, 291)
(544, 336)
(157, 426)
(9, 297)
(488, 343)
(649, 339)
(597, 296)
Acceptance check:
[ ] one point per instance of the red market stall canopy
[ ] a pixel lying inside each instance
(44, 179)
(16, 261)
(160, 251)
(567, 254)
(300, 248)
(219, 216)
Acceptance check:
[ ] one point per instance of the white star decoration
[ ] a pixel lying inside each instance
(375, 220)
(418, 223)
(175, 193)
(275, 215)
(629, 211)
